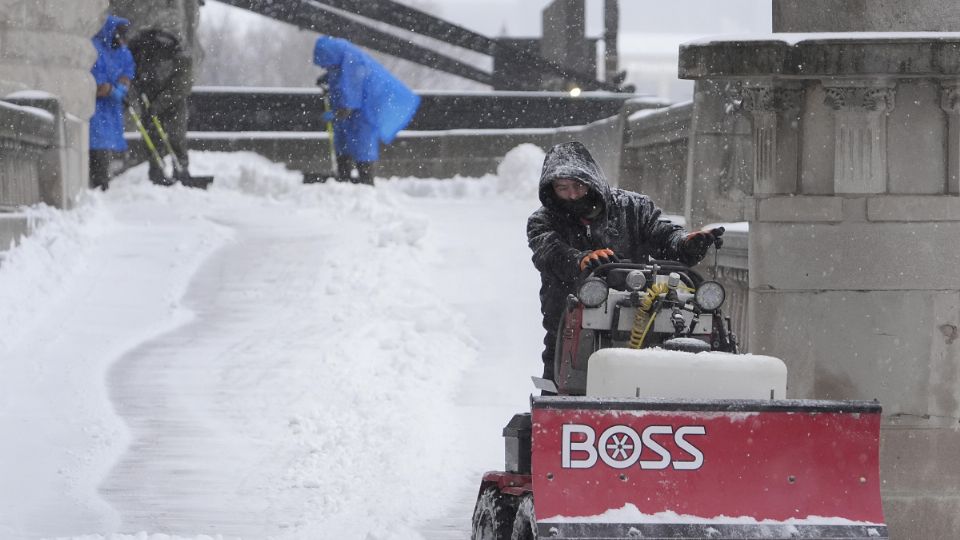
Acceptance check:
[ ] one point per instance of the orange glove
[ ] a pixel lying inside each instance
(597, 257)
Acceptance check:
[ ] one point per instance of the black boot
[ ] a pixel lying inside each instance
(365, 173)
(158, 177)
(344, 168)
(99, 169)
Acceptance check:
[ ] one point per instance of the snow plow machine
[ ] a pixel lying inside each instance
(661, 429)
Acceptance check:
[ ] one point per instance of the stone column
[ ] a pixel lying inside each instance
(564, 40)
(860, 134)
(775, 110)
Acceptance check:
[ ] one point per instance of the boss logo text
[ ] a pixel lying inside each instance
(620, 447)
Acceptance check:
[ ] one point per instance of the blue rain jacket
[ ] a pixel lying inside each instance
(382, 105)
(106, 124)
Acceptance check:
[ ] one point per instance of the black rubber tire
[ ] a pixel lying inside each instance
(493, 515)
(525, 522)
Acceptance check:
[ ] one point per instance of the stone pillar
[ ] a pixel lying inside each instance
(853, 251)
(46, 46)
(775, 110)
(564, 40)
(860, 134)
(611, 28)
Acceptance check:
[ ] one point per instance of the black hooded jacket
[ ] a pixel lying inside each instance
(165, 71)
(628, 223)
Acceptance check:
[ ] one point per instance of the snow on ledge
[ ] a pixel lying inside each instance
(791, 38)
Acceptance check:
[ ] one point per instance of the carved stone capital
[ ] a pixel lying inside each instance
(950, 97)
(865, 98)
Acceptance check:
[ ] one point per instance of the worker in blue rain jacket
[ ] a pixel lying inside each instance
(368, 106)
(112, 71)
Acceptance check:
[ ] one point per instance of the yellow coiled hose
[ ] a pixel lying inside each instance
(645, 316)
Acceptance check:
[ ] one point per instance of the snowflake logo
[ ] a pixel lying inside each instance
(618, 447)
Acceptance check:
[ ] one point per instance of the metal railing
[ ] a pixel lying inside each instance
(25, 133)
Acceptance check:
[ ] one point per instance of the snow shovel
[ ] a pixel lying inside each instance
(180, 173)
(154, 155)
(334, 173)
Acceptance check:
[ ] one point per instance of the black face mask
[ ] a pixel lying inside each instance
(587, 206)
(119, 37)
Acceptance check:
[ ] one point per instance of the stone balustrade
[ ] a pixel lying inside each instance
(25, 134)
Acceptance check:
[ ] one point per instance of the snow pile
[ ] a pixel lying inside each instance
(289, 342)
(518, 175)
(32, 275)
(458, 187)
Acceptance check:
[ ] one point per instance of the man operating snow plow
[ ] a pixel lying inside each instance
(668, 443)
(652, 425)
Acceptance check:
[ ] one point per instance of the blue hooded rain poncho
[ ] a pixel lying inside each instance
(382, 105)
(106, 125)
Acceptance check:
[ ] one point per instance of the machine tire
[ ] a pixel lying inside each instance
(493, 515)
(525, 522)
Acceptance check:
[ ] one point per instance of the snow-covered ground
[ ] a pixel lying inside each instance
(265, 359)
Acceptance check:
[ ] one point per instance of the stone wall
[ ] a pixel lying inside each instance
(695, 165)
(654, 159)
(853, 221)
(45, 45)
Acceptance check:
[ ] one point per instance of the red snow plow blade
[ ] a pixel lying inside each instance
(640, 468)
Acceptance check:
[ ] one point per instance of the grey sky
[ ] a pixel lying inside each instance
(521, 18)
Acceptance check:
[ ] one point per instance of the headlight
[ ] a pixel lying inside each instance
(635, 280)
(710, 295)
(593, 292)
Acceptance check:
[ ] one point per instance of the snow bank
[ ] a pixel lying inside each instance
(330, 306)
(458, 187)
(33, 274)
(518, 177)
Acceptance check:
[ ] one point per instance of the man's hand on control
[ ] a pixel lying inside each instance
(595, 258)
(696, 244)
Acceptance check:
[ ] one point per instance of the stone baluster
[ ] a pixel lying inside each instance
(860, 134)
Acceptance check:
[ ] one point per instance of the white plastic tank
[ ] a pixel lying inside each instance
(659, 373)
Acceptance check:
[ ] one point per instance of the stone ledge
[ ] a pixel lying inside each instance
(811, 209)
(914, 208)
(894, 54)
